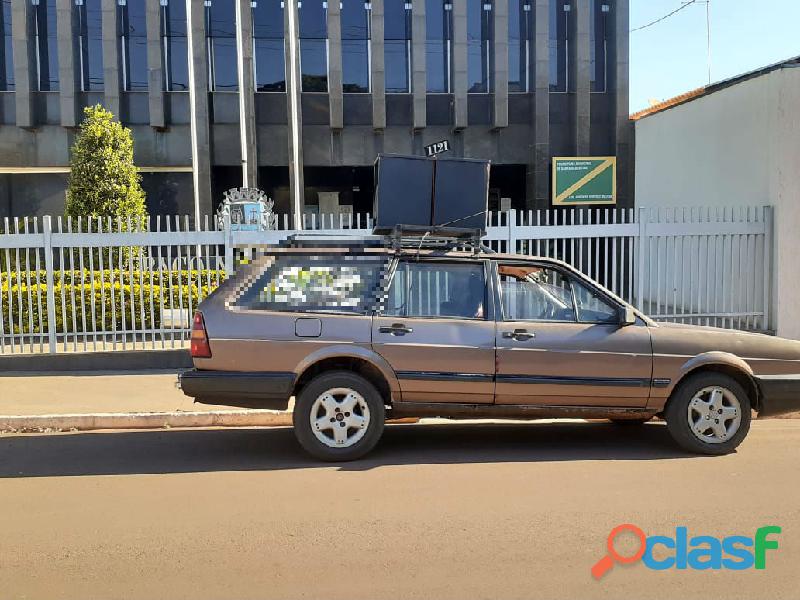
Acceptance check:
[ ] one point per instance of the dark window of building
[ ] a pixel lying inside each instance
(173, 38)
(356, 33)
(46, 40)
(132, 29)
(268, 41)
(223, 68)
(439, 30)
(314, 45)
(90, 44)
(7, 58)
(520, 45)
(599, 44)
(397, 46)
(479, 46)
(560, 11)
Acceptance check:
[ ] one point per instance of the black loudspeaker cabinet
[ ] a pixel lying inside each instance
(424, 192)
(403, 191)
(461, 193)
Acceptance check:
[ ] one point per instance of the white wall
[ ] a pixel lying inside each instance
(739, 146)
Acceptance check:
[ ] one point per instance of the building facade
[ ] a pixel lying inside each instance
(298, 97)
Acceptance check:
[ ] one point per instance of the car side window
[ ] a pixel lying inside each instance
(535, 293)
(432, 289)
(316, 283)
(592, 308)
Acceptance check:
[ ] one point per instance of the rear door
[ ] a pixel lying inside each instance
(436, 332)
(560, 343)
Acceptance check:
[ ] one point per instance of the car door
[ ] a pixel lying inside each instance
(560, 342)
(435, 330)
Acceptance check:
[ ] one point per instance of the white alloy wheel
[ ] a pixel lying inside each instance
(714, 414)
(339, 417)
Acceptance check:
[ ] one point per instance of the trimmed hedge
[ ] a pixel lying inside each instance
(87, 289)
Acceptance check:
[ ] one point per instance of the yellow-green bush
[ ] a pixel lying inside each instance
(24, 298)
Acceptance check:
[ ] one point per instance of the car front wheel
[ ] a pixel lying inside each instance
(709, 414)
(338, 416)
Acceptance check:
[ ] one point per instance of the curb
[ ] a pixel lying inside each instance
(152, 420)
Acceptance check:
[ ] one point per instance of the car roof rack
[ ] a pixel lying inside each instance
(401, 237)
(441, 238)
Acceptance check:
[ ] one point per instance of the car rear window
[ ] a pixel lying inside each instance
(317, 283)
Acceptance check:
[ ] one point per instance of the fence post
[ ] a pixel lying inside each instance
(511, 216)
(228, 245)
(47, 229)
(769, 268)
(641, 217)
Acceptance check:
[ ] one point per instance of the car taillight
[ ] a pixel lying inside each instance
(199, 340)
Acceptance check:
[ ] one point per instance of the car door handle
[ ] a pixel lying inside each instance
(395, 329)
(521, 335)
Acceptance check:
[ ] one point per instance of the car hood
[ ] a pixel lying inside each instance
(691, 340)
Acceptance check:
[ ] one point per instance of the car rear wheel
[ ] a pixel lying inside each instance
(709, 414)
(338, 416)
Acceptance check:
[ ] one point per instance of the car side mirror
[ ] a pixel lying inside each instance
(626, 316)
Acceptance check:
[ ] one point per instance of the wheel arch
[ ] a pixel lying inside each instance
(719, 362)
(366, 363)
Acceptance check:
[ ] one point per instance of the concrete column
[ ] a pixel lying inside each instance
(68, 62)
(583, 77)
(111, 79)
(155, 66)
(624, 127)
(24, 61)
(247, 105)
(538, 176)
(500, 71)
(377, 78)
(335, 101)
(291, 28)
(419, 82)
(198, 108)
(459, 65)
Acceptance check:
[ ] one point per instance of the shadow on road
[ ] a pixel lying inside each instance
(189, 451)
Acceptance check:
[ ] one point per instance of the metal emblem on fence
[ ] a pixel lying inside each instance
(249, 208)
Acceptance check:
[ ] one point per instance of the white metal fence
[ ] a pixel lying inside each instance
(98, 284)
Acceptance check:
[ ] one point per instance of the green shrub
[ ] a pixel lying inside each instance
(85, 290)
(103, 181)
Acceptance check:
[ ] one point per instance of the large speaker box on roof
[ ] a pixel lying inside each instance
(461, 193)
(429, 193)
(403, 191)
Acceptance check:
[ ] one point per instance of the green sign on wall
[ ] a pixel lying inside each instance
(584, 180)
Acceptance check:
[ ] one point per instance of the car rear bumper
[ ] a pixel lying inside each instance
(245, 389)
(779, 394)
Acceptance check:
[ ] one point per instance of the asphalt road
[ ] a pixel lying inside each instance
(438, 511)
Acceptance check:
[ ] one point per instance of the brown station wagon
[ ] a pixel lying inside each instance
(360, 332)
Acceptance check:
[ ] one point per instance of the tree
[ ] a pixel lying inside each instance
(103, 181)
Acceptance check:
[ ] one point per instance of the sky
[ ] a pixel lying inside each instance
(670, 57)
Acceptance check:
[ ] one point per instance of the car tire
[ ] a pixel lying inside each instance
(630, 422)
(338, 416)
(708, 413)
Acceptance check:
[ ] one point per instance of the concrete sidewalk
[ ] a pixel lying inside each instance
(113, 400)
(95, 392)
